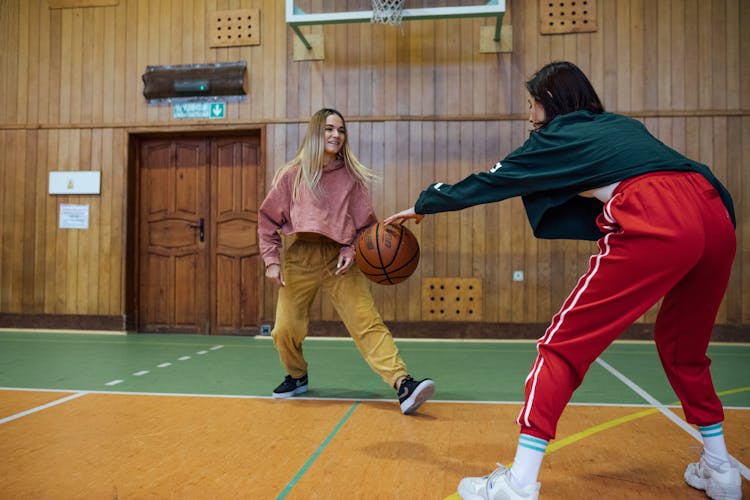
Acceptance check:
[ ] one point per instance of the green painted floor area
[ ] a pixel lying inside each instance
(249, 366)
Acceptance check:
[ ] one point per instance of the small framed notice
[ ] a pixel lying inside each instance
(74, 216)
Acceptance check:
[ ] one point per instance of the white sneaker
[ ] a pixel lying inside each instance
(496, 486)
(723, 483)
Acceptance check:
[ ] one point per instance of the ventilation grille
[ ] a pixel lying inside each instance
(567, 16)
(452, 299)
(235, 28)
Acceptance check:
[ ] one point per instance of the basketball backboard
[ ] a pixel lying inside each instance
(303, 12)
(316, 12)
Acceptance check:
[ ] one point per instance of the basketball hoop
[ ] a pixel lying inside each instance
(387, 11)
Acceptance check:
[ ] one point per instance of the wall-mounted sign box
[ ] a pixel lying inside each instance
(173, 83)
(75, 182)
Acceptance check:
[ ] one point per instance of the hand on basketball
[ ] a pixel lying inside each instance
(273, 272)
(403, 215)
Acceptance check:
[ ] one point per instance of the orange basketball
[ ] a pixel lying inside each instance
(387, 254)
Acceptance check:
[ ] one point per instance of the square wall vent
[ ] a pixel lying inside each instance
(567, 16)
(235, 28)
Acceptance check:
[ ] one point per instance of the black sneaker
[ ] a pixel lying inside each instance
(291, 387)
(412, 393)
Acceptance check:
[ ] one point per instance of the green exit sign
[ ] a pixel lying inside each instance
(212, 110)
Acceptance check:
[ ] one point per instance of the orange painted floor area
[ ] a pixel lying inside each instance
(148, 446)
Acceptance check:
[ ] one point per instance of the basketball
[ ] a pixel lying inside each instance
(387, 254)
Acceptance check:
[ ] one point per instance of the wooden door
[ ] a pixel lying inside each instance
(199, 266)
(173, 260)
(236, 193)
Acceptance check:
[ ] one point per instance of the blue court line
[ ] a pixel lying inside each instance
(315, 455)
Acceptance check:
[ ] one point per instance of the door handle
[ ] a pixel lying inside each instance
(201, 229)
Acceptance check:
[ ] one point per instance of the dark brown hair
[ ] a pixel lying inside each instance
(561, 87)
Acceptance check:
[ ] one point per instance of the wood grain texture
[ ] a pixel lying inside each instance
(219, 448)
(422, 104)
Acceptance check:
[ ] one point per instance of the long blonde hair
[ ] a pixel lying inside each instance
(309, 157)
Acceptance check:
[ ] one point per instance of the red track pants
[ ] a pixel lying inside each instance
(668, 235)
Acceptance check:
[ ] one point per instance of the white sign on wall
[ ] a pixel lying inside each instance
(75, 182)
(74, 216)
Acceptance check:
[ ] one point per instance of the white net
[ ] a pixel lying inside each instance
(387, 11)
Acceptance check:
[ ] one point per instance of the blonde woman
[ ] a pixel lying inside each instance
(320, 203)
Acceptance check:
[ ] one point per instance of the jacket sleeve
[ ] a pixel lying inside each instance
(499, 183)
(272, 215)
(546, 162)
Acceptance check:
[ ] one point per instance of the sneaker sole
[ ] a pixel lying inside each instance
(424, 392)
(698, 484)
(693, 479)
(284, 395)
(465, 491)
(713, 491)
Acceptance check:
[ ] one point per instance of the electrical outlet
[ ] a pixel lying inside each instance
(517, 275)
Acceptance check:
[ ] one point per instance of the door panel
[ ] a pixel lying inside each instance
(234, 250)
(173, 292)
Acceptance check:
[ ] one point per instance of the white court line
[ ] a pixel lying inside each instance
(334, 400)
(42, 407)
(141, 373)
(664, 410)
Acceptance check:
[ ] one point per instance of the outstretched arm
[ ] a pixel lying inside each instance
(403, 215)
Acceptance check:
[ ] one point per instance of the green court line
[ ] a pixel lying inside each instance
(317, 452)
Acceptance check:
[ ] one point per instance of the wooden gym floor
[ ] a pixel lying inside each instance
(188, 417)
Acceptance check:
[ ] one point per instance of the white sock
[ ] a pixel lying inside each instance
(714, 448)
(528, 461)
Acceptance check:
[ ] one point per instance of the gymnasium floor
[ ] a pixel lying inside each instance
(189, 417)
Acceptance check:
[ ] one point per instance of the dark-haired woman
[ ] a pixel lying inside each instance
(665, 229)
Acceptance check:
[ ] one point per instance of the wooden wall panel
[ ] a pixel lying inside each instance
(9, 59)
(50, 270)
(422, 105)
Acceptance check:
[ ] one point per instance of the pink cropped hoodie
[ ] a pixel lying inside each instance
(341, 210)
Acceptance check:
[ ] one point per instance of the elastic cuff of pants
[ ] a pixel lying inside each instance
(536, 433)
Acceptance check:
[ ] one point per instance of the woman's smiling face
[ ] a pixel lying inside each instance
(334, 136)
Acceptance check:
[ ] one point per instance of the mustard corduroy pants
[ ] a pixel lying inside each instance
(310, 265)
